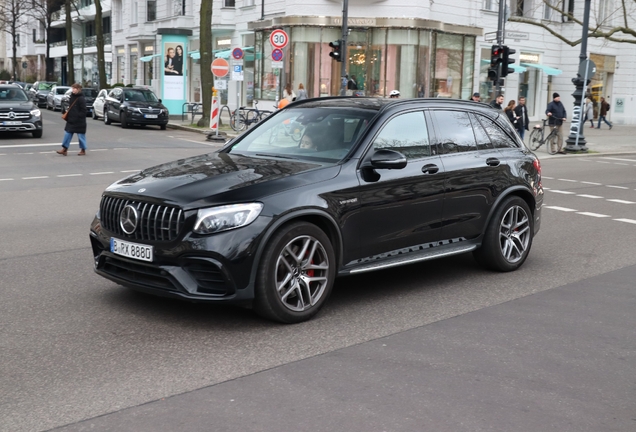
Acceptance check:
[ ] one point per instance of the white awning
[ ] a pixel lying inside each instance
(148, 58)
(547, 69)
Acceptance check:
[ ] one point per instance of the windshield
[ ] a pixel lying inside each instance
(89, 92)
(324, 133)
(61, 90)
(13, 94)
(140, 96)
(45, 86)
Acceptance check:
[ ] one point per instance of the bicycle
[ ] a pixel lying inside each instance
(537, 138)
(242, 117)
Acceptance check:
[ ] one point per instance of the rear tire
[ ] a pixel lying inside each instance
(237, 122)
(508, 238)
(535, 139)
(296, 274)
(106, 118)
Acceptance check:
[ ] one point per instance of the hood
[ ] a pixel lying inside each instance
(218, 178)
(17, 106)
(138, 104)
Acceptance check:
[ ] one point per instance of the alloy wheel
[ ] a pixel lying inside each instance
(514, 234)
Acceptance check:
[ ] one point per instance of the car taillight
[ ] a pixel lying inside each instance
(537, 166)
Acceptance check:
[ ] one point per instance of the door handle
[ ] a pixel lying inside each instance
(493, 162)
(430, 169)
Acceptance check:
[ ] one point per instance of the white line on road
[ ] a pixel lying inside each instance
(565, 209)
(618, 163)
(592, 183)
(568, 180)
(34, 178)
(33, 145)
(631, 221)
(617, 187)
(100, 173)
(620, 159)
(620, 201)
(548, 178)
(589, 196)
(129, 171)
(69, 175)
(603, 162)
(96, 150)
(593, 214)
(563, 192)
(6, 179)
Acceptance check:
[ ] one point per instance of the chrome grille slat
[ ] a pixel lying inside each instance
(154, 223)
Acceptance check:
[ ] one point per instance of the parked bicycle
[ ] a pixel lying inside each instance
(242, 117)
(538, 138)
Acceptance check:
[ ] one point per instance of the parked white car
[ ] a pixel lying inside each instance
(98, 104)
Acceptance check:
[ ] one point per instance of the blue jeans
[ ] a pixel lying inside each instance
(66, 142)
(521, 133)
(605, 120)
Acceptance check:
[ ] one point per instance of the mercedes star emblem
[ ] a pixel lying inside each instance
(141, 190)
(128, 219)
(11, 115)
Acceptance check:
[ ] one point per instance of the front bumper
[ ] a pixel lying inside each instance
(133, 117)
(24, 126)
(196, 268)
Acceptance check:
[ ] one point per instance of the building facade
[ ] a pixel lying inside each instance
(435, 48)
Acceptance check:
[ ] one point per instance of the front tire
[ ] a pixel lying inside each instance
(508, 238)
(106, 118)
(296, 274)
(94, 114)
(123, 122)
(535, 139)
(37, 134)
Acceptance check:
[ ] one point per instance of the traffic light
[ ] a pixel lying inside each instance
(492, 74)
(495, 56)
(506, 60)
(336, 52)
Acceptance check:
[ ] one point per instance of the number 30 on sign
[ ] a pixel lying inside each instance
(279, 39)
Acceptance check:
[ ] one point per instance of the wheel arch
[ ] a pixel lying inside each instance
(317, 217)
(518, 191)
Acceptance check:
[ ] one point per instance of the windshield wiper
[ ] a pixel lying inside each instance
(276, 156)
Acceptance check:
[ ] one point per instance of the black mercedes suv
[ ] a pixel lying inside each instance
(323, 188)
(18, 113)
(134, 105)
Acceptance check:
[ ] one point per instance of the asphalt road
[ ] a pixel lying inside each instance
(74, 346)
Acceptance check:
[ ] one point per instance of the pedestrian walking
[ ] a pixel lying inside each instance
(556, 116)
(475, 97)
(523, 123)
(496, 102)
(509, 110)
(288, 93)
(302, 93)
(589, 112)
(603, 112)
(75, 121)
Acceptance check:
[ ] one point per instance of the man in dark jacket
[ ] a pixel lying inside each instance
(521, 112)
(75, 121)
(556, 116)
(496, 102)
(603, 112)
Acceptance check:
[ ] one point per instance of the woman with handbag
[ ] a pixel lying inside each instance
(75, 118)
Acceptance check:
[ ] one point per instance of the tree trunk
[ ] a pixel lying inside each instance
(99, 31)
(205, 49)
(48, 61)
(70, 73)
(14, 58)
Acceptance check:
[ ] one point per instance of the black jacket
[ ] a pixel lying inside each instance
(76, 120)
(522, 121)
(511, 116)
(558, 113)
(495, 105)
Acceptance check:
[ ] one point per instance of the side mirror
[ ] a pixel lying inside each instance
(159, 100)
(388, 159)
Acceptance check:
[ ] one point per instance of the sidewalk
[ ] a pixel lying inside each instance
(620, 140)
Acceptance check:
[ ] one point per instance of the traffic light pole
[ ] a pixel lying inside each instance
(343, 48)
(501, 29)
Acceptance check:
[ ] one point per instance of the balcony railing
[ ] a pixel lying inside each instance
(89, 41)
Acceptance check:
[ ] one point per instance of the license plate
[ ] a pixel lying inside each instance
(12, 123)
(131, 250)
(151, 116)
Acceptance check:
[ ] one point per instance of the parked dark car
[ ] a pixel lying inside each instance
(323, 188)
(134, 105)
(39, 91)
(89, 95)
(18, 113)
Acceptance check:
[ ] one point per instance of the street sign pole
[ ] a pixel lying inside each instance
(343, 47)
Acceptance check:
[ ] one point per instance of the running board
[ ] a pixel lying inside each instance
(404, 260)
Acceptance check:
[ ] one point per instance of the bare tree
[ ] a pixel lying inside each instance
(70, 75)
(12, 20)
(205, 49)
(99, 32)
(602, 20)
(42, 11)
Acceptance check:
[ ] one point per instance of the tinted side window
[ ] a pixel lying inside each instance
(406, 133)
(454, 132)
(483, 140)
(498, 137)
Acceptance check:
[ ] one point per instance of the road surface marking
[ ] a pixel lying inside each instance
(33, 145)
(631, 221)
(568, 180)
(6, 179)
(593, 214)
(620, 201)
(69, 175)
(546, 177)
(129, 171)
(592, 183)
(617, 187)
(563, 192)
(589, 196)
(565, 209)
(34, 178)
(100, 173)
(620, 159)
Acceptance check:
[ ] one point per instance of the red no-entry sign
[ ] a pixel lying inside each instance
(220, 67)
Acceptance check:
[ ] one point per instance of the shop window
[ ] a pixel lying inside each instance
(401, 62)
(449, 57)
(306, 63)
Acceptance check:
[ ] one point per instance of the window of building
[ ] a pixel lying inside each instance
(605, 12)
(518, 7)
(229, 3)
(35, 35)
(568, 10)
(106, 27)
(547, 9)
(134, 12)
(151, 10)
(491, 5)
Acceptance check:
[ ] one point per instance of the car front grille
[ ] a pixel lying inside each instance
(150, 110)
(17, 115)
(154, 222)
(210, 279)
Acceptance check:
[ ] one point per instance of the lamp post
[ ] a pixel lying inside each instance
(81, 20)
(576, 140)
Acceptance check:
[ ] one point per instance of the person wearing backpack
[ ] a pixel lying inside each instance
(605, 107)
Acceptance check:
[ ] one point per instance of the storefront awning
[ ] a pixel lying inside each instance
(150, 57)
(547, 69)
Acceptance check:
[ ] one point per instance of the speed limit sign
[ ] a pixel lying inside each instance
(279, 39)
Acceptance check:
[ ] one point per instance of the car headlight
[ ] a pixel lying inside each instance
(36, 113)
(217, 219)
